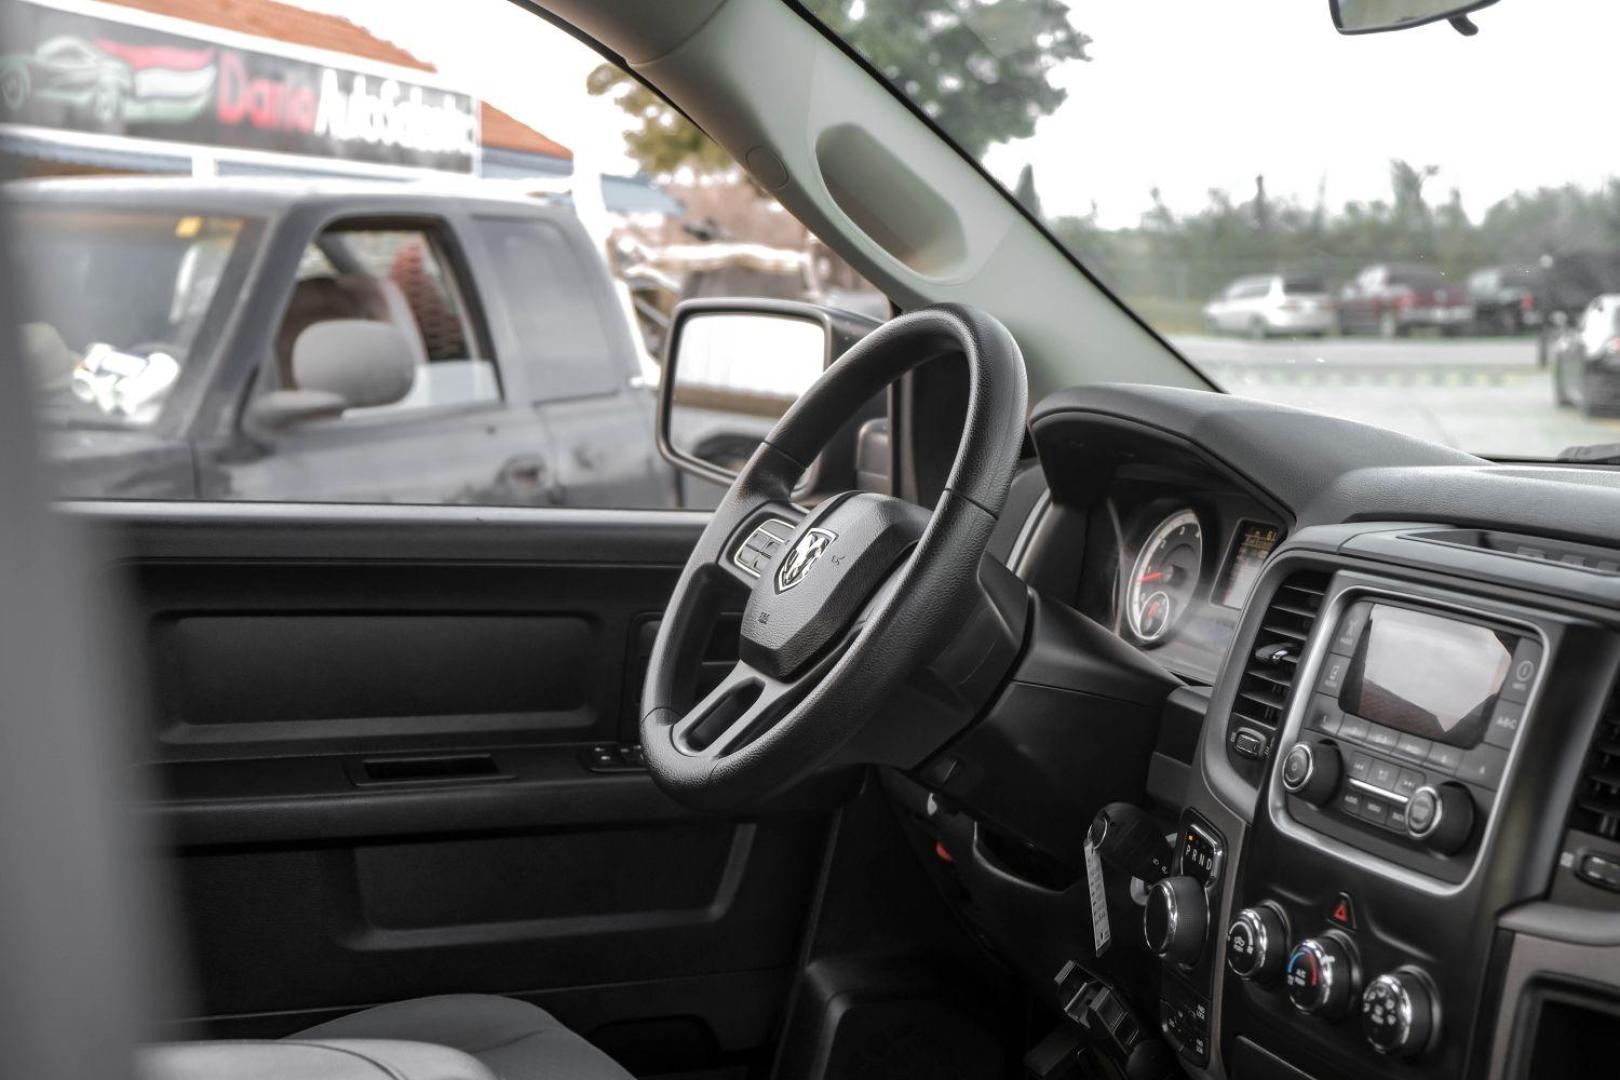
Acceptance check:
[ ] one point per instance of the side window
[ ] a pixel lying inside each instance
(398, 277)
(563, 326)
(483, 323)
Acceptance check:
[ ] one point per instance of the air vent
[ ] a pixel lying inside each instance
(1597, 797)
(1268, 674)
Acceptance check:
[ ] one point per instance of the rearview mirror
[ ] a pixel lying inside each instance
(1376, 16)
(731, 370)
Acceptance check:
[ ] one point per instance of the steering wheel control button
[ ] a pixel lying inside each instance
(1256, 943)
(1312, 771)
(1399, 1013)
(762, 545)
(1175, 921)
(1442, 817)
(1320, 977)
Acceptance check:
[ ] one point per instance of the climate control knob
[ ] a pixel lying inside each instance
(1176, 919)
(1312, 771)
(1257, 943)
(1321, 977)
(1399, 1013)
(1442, 817)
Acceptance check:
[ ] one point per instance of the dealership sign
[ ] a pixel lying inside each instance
(91, 70)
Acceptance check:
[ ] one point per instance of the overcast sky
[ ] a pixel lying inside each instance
(1184, 95)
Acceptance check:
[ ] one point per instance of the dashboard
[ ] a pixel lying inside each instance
(1374, 825)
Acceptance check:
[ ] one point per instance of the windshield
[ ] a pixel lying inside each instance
(114, 304)
(1177, 148)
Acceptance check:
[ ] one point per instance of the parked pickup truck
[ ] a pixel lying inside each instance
(1392, 299)
(329, 341)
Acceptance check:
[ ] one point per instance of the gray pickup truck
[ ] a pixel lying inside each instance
(328, 341)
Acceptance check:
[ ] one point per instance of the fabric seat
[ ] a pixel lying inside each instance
(513, 1039)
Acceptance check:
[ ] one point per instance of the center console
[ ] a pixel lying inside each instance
(1421, 738)
(1409, 721)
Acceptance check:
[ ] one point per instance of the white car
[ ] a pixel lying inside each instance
(1270, 304)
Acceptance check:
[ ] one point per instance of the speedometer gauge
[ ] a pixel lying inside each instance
(1162, 582)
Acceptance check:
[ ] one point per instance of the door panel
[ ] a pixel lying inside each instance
(377, 744)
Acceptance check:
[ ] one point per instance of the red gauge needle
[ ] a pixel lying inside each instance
(1148, 579)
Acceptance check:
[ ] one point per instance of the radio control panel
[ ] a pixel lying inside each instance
(1409, 721)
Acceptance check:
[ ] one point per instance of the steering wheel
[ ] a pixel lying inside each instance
(869, 632)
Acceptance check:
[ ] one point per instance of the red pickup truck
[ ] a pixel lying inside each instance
(1392, 299)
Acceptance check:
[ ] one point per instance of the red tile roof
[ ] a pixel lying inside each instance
(295, 25)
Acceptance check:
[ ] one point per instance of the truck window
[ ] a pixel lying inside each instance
(556, 321)
(509, 282)
(398, 276)
(118, 306)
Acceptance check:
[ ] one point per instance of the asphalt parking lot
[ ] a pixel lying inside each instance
(1485, 395)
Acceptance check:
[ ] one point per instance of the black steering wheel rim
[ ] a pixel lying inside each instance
(866, 609)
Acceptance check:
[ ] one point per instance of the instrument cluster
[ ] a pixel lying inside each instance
(1186, 567)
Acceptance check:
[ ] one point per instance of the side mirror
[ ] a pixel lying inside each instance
(1376, 16)
(340, 364)
(731, 370)
(287, 408)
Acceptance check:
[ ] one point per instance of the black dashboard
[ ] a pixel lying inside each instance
(1387, 773)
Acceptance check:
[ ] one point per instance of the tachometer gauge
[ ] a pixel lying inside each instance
(1162, 582)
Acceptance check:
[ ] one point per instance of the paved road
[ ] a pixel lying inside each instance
(1414, 353)
(1485, 395)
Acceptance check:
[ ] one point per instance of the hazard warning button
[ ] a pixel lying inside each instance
(1342, 912)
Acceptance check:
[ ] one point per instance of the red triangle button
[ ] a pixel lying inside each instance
(1342, 912)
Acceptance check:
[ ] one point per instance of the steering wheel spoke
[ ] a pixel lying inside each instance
(739, 709)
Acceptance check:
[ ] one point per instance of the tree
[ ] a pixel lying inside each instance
(979, 68)
(665, 140)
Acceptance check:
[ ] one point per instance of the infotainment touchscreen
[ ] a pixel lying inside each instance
(1427, 675)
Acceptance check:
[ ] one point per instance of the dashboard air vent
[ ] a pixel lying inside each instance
(1597, 797)
(1268, 673)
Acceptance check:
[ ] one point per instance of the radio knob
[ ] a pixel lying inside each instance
(1176, 919)
(1321, 977)
(1399, 1013)
(1312, 771)
(1256, 943)
(1441, 817)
